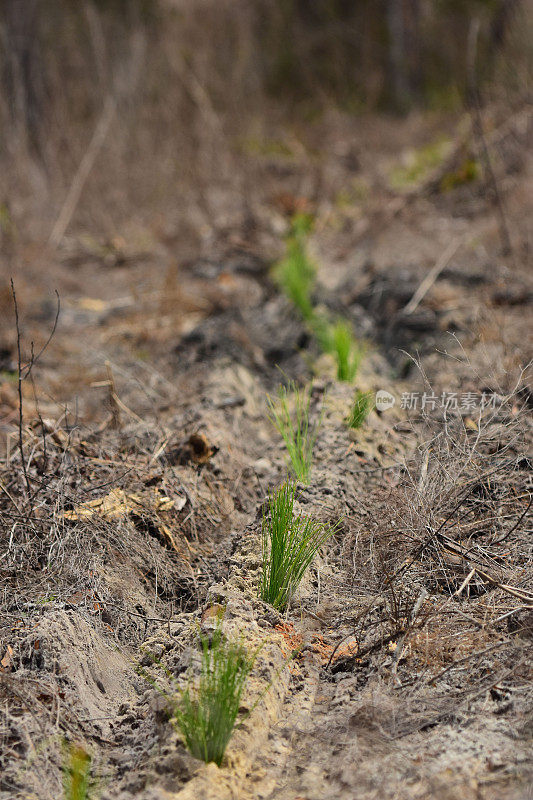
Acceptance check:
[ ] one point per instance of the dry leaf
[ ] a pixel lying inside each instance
(92, 304)
(7, 662)
(200, 449)
(118, 503)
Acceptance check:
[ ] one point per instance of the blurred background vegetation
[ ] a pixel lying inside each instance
(193, 81)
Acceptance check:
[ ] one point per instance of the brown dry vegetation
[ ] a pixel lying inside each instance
(131, 494)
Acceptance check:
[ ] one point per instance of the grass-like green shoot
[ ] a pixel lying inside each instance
(289, 544)
(289, 413)
(420, 163)
(206, 715)
(295, 273)
(337, 338)
(76, 773)
(346, 349)
(362, 405)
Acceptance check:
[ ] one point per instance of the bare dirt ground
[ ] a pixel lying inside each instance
(149, 456)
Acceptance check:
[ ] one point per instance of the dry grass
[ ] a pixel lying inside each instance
(440, 563)
(453, 573)
(437, 562)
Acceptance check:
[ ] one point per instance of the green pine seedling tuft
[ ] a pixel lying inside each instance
(347, 351)
(296, 273)
(206, 716)
(337, 338)
(293, 425)
(289, 544)
(362, 405)
(76, 772)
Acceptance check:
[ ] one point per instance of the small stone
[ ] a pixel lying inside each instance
(262, 466)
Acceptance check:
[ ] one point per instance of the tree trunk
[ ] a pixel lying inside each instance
(397, 62)
(23, 67)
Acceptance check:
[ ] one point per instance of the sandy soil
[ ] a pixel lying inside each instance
(413, 628)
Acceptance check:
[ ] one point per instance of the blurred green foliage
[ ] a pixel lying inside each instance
(419, 163)
(295, 272)
(469, 171)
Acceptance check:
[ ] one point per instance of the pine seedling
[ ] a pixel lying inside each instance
(76, 773)
(337, 338)
(347, 351)
(206, 716)
(293, 425)
(295, 273)
(362, 405)
(322, 329)
(289, 544)
(301, 224)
